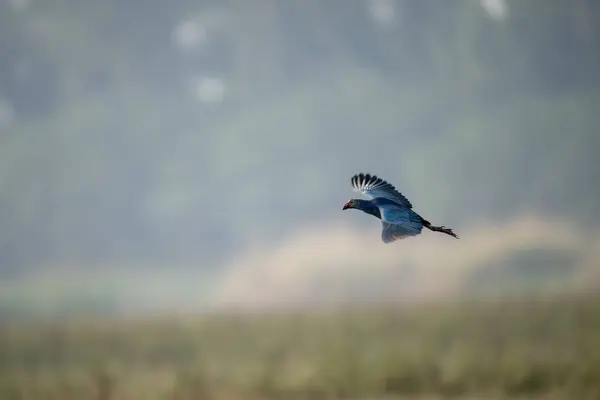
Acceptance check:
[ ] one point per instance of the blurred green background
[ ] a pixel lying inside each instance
(159, 159)
(159, 154)
(149, 149)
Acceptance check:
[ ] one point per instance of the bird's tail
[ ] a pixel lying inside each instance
(442, 228)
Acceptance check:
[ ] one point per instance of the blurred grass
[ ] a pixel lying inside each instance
(497, 348)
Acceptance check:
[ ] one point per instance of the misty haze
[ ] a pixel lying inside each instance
(193, 156)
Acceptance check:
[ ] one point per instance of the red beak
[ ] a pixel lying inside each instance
(345, 206)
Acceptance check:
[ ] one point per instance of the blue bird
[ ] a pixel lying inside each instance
(398, 220)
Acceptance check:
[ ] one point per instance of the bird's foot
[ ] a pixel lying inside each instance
(445, 230)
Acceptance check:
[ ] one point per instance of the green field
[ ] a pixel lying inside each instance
(535, 348)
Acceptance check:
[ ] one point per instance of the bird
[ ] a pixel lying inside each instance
(398, 220)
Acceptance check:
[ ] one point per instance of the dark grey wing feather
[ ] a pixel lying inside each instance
(373, 186)
(399, 223)
(393, 232)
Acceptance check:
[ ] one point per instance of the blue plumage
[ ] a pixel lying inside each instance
(398, 220)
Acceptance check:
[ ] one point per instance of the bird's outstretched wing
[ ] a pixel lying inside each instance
(373, 186)
(399, 223)
(393, 232)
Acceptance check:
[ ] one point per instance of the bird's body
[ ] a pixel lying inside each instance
(398, 219)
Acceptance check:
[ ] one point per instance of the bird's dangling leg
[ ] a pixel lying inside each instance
(442, 229)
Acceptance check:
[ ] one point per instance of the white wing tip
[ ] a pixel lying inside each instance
(362, 181)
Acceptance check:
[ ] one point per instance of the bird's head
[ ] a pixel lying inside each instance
(350, 204)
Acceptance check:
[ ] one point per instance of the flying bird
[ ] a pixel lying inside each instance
(398, 220)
